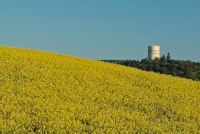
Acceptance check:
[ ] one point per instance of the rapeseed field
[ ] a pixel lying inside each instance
(44, 92)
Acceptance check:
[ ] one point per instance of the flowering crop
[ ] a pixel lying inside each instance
(43, 92)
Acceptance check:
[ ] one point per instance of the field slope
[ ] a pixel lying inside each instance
(45, 92)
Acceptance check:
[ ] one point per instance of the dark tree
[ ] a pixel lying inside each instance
(173, 68)
(143, 61)
(187, 69)
(163, 69)
(180, 70)
(156, 67)
(168, 57)
(198, 75)
(172, 62)
(126, 63)
(181, 67)
(195, 68)
(150, 67)
(163, 59)
(198, 64)
(132, 64)
(156, 60)
(179, 73)
(144, 67)
(188, 73)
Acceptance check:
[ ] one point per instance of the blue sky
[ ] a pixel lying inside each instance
(103, 29)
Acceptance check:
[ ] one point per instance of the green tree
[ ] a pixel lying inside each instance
(144, 67)
(163, 59)
(168, 57)
(180, 70)
(143, 61)
(132, 63)
(156, 60)
(188, 73)
(156, 67)
(198, 75)
(181, 67)
(173, 68)
(150, 67)
(163, 69)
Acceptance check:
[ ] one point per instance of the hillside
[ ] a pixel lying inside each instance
(46, 92)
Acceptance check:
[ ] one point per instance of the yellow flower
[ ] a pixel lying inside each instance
(43, 92)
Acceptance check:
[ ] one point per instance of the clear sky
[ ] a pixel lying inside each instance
(103, 29)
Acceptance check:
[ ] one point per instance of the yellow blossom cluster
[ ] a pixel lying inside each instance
(44, 92)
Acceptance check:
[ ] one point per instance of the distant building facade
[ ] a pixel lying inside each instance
(153, 52)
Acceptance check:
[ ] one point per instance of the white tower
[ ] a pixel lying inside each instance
(153, 52)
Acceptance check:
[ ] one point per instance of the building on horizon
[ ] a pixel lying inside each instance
(153, 52)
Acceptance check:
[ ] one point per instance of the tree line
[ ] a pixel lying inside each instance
(166, 65)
